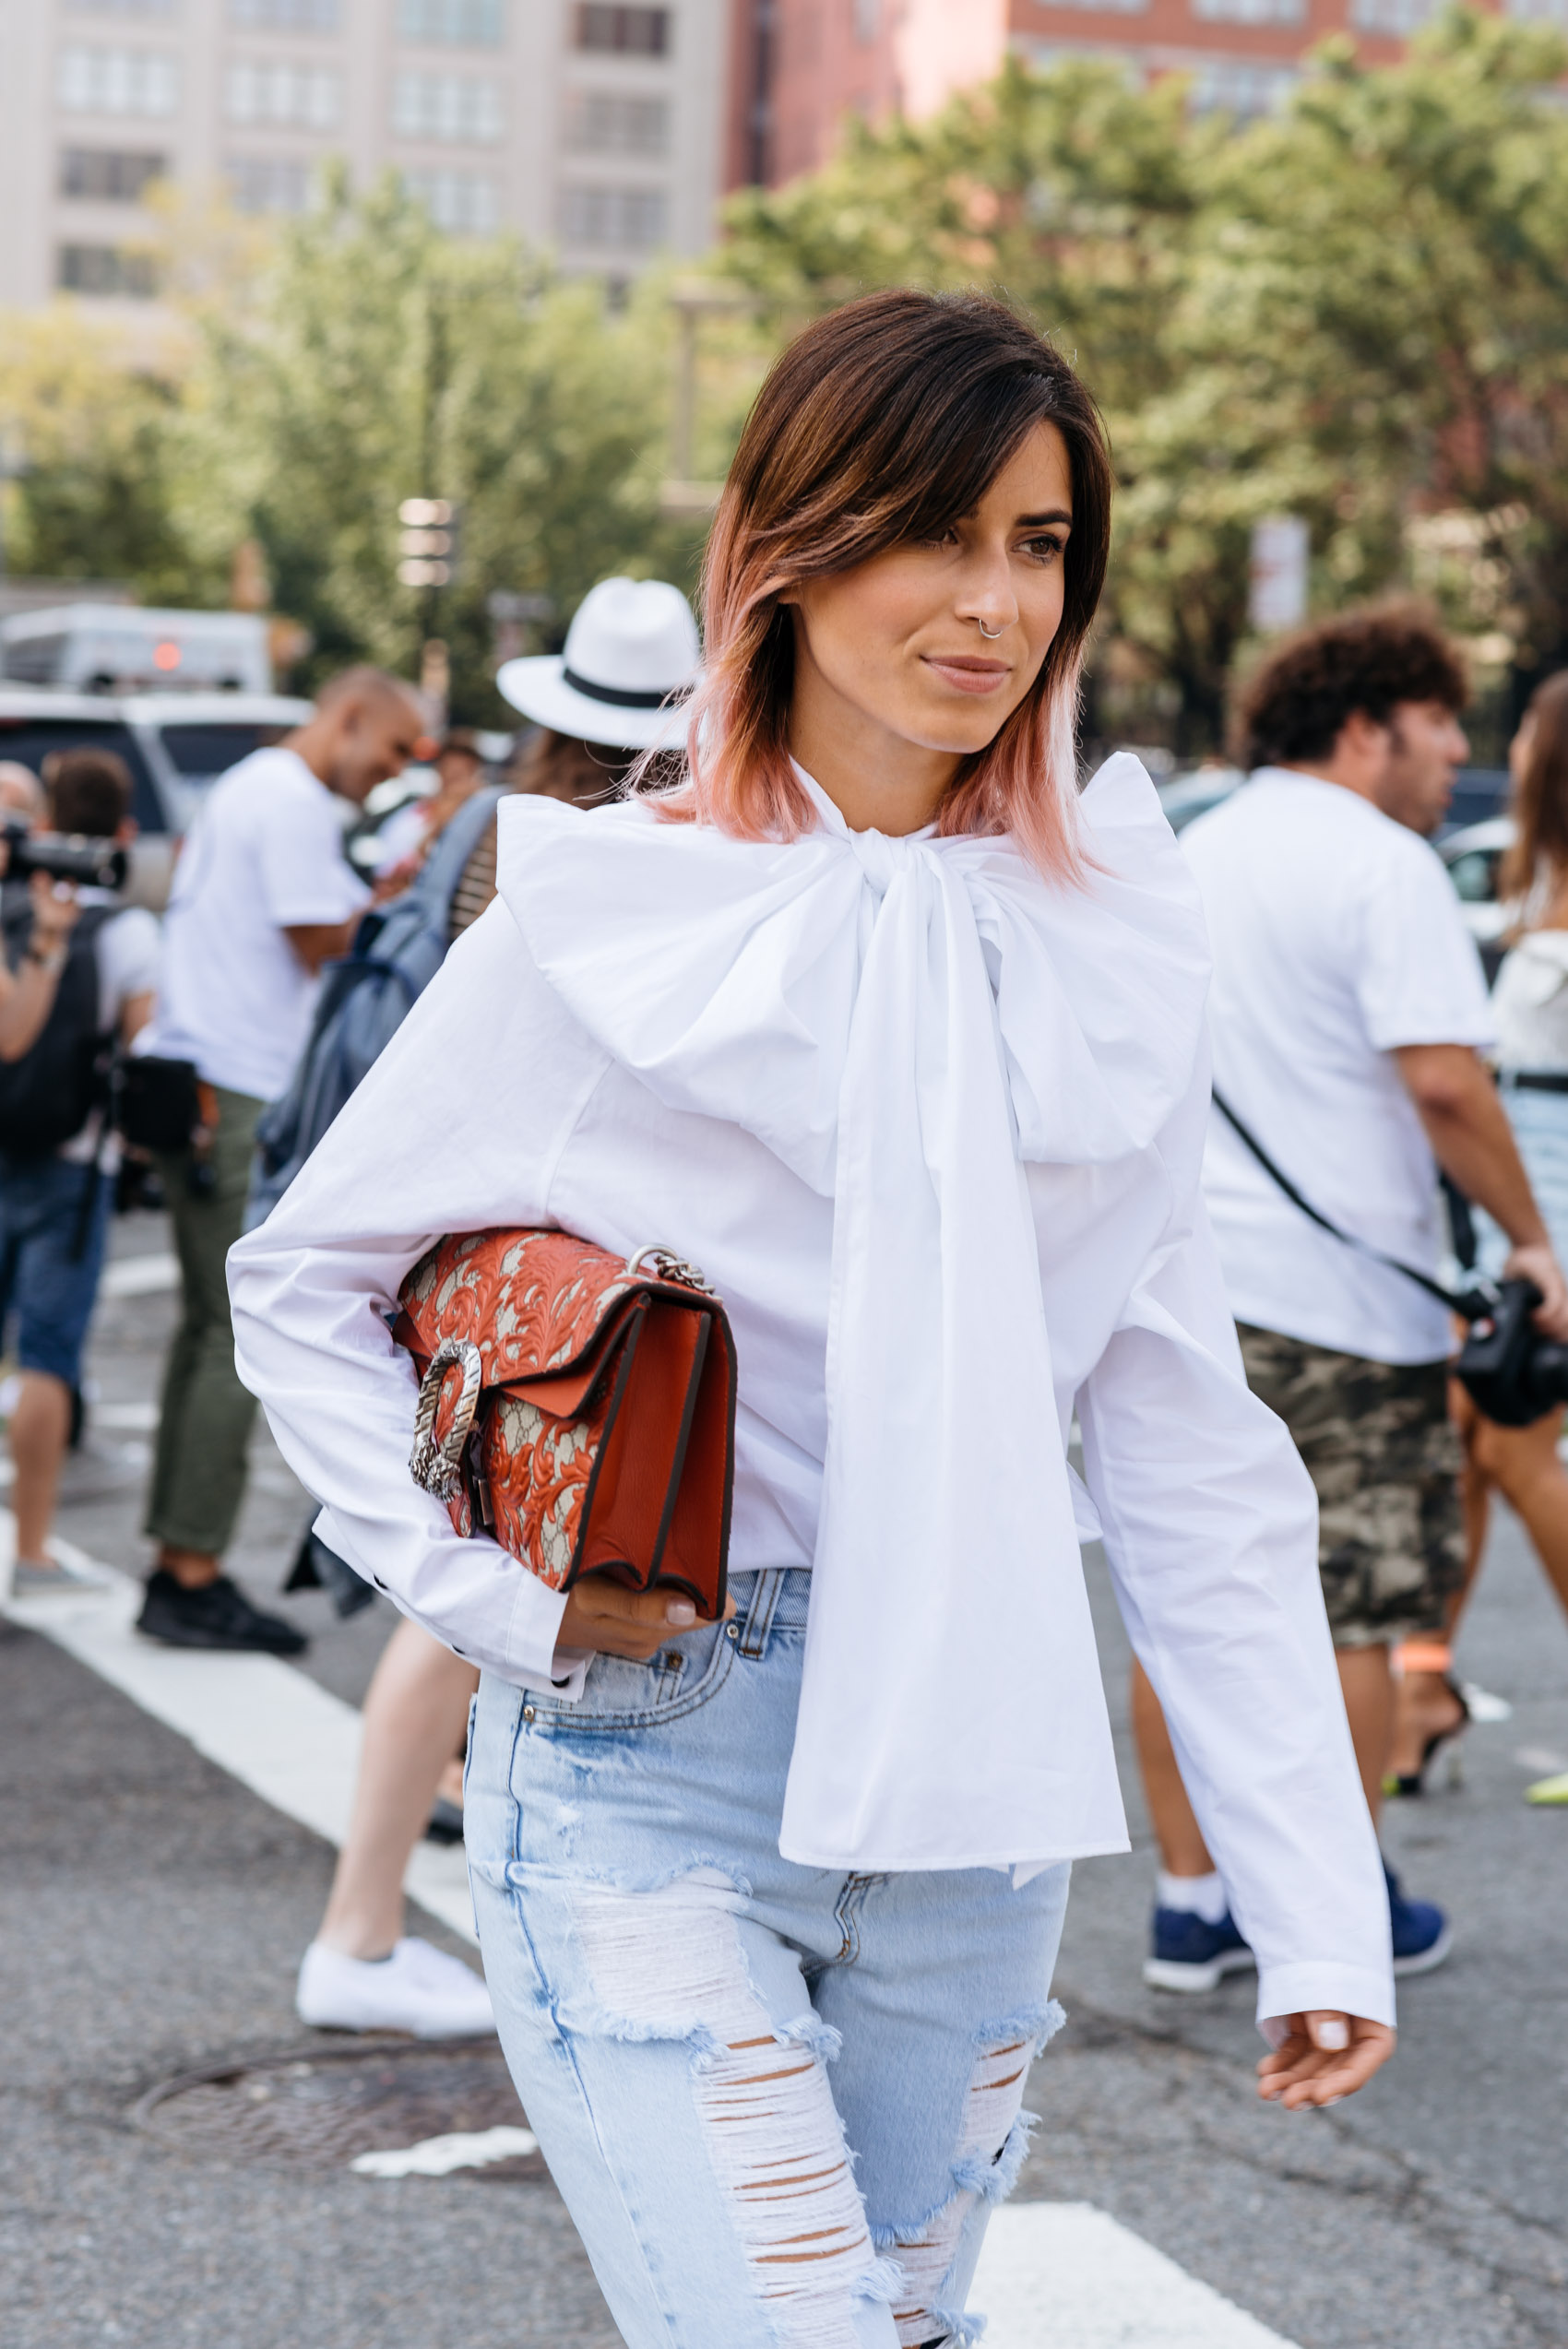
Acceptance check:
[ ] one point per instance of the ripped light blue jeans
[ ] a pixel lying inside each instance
(781, 2103)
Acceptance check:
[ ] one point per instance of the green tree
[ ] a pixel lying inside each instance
(381, 362)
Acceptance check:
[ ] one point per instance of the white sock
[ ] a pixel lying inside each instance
(1201, 1895)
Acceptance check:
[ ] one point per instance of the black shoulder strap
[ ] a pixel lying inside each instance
(1470, 1303)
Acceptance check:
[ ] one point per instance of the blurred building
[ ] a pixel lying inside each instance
(801, 66)
(598, 130)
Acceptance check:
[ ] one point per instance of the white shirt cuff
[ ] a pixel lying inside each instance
(1310, 1988)
(531, 1661)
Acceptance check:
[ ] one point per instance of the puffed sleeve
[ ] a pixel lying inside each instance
(1210, 1528)
(457, 1128)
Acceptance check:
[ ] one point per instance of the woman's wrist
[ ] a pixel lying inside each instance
(48, 952)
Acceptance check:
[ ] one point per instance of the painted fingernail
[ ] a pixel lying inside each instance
(680, 1610)
(1333, 2034)
(1330, 2100)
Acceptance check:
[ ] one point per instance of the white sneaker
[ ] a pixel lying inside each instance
(418, 1989)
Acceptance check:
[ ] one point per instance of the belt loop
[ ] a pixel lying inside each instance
(758, 1620)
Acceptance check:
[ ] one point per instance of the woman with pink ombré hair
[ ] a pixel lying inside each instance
(875, 1017)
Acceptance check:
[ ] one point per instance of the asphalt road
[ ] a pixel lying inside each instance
(153, 1913)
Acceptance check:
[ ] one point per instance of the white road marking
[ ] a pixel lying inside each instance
(136, 1418)
(438, 2157)
(139, 1276)
(293, 1743)
(1066, 2275)
(1053, 2275)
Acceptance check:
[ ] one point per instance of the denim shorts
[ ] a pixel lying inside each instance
(53, 1227)
(780, 2102)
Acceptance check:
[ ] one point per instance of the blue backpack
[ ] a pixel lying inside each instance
(364, 1001)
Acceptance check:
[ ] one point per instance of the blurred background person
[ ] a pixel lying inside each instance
(79, 978)
(1530, 1011)
(263, 897)
(21, 793)
(406, 837)
(630, 659)
(1347, 1010)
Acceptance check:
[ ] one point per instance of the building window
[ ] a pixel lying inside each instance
(627, 33)
(461, 202)
(1251, 12)
(285, 15)
(446, 106)
(1226, 86)
(106, 175)
(454, 24)
(145, 9)
(268, 182)
(629, 219)
(117, 81)
(258, 90)
(106, 269)
(1399, 17)
(603, 122)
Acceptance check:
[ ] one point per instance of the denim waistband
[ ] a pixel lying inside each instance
(771, 1598)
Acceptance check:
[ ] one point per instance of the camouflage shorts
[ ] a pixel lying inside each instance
(1376, 1438)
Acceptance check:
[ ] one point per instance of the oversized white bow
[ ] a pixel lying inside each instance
(904, 1022)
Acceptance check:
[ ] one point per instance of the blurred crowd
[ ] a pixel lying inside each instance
(194, 1061)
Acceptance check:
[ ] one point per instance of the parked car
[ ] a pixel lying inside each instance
(124, 648)
(1474, 857)
(174, 744)
(1479, 792)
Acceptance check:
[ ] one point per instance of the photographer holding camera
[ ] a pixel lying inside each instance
(80, 973)
(1348, 1012)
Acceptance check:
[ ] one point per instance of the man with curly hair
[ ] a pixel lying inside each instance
(1349, 1012)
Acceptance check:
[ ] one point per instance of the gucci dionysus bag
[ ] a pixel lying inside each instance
(578, 1407)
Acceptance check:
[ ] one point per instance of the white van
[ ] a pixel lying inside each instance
(119, 648)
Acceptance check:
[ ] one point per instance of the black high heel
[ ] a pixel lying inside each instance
(1407, 1783)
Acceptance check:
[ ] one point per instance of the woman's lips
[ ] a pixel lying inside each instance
(968, 674)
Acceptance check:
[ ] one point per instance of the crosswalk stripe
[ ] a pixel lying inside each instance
(1067, 2275)
(290, 1742)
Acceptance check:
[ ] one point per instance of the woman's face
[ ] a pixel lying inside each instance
(897, 640)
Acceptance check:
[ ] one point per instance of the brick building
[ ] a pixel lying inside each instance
(800, 66)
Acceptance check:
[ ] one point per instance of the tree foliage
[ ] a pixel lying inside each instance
(1353, 311)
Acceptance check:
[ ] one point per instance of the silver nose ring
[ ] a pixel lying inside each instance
(991, 634)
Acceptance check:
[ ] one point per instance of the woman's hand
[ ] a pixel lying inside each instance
(55, 912)
(1324, 2057)
(611, 1620)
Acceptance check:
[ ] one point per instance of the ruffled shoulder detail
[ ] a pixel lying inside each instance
(725, 973)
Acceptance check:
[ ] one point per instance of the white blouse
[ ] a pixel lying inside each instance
(932, 1127)
(1529, 1004)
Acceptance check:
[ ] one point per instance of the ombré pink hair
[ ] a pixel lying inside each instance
(885, 421)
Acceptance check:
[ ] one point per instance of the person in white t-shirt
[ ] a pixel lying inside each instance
(263, 897)
(1348, 1010)
(84, 978)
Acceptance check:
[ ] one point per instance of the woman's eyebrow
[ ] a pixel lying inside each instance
(1033, 521)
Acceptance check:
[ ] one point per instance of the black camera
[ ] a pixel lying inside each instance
(1510, 1371)
(63, 856)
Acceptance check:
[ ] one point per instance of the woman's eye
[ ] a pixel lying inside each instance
(1046, 549)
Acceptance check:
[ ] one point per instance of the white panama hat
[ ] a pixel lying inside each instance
(631, 645)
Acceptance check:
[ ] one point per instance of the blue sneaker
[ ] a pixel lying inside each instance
(1187, 1954)
(1423, 1935)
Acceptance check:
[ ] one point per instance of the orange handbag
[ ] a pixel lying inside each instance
(578, 1406)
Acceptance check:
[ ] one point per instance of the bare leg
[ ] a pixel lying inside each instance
(41, 1426)
(413, 1722)
(1523, 1464)
(1182, 1851)
(1369, 1703)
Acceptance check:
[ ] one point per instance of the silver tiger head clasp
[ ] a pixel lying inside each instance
(436, 1466)
(664, 1264)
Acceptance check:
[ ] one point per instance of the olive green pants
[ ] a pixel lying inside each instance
(204, 1421)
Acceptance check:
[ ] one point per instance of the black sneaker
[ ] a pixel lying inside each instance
(218, 1615)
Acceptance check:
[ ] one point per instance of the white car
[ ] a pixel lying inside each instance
(1474, 857)
(176, 745)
